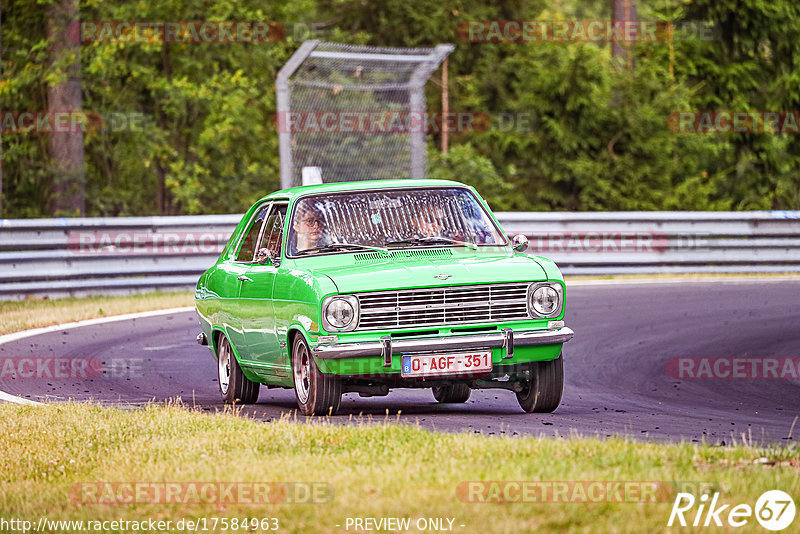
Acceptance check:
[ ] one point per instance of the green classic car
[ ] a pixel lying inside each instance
(367, 286)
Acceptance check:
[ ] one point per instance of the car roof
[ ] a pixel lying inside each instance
(364, 185)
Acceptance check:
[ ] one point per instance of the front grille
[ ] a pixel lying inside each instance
(455, 305)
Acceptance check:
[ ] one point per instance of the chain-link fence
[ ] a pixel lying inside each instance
(355, 112)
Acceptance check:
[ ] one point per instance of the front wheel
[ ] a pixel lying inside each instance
(455, 393)
(543, 393)
(316, 393)
(234, 386)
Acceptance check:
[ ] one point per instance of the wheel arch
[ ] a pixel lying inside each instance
(291, 334)
(216, 335)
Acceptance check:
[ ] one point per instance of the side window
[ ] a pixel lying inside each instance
(248, 247)
(272, 237)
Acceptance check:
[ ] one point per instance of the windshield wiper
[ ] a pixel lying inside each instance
(342, 246)
(432, 241)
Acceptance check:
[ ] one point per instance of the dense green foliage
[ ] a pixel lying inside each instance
(588, 134)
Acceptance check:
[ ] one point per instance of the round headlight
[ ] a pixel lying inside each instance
(544, 300)
(340, 313)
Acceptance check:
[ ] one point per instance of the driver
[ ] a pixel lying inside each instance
(308, 226)
(429, 223)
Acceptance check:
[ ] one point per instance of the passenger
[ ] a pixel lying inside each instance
(429, 223)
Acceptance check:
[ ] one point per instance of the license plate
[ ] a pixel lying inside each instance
(447, 364)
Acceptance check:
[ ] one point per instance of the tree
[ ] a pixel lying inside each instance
(189, 127)
(64, 97)
(623, 11)
(1, 131)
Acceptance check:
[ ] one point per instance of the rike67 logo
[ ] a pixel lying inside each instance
(774, 510)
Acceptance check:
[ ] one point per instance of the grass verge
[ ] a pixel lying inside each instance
(26, 314)
(387, 470)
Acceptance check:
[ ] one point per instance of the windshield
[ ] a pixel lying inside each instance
(387, 219)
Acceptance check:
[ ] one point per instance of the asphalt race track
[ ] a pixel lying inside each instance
(616, 366)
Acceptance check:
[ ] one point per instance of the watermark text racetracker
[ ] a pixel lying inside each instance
(622, 241)
(733, 368)
(388, 121)
(165, 31)
(146, 242)
(734, 122)
(381, 121)
(575, 491)
(202, 493)
(582, 31)
(71, 122)
(71, 368)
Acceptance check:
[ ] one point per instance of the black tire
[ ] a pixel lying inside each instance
(316, 393)
(451, 394)
(238, 389)
(543, 393)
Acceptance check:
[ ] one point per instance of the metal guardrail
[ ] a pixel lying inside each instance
(61, 257)
(597, 243)
(80, 256)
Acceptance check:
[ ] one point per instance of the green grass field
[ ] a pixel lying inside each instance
(379, 470)
(79, 462)
(26, 314)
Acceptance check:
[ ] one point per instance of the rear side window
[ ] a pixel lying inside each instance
(248, 247)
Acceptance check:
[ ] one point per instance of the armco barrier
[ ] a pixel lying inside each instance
(61, 257)
(597, 243)
(58, 257)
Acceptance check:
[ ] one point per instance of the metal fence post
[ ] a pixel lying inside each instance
(283, 107)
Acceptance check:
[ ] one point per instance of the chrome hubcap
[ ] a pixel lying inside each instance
(302, 374)
(224, 368)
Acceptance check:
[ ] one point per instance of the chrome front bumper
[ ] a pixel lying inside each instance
(505, 338)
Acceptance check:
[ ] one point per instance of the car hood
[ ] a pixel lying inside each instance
(397, 273)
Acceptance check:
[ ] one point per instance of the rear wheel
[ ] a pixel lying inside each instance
(234, 386)
(455, 393)
(543, 393)
(316, 393)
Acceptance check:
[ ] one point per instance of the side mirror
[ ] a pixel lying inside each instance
(264, 256)
(519, 243)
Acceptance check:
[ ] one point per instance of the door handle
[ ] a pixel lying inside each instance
(243, 278)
